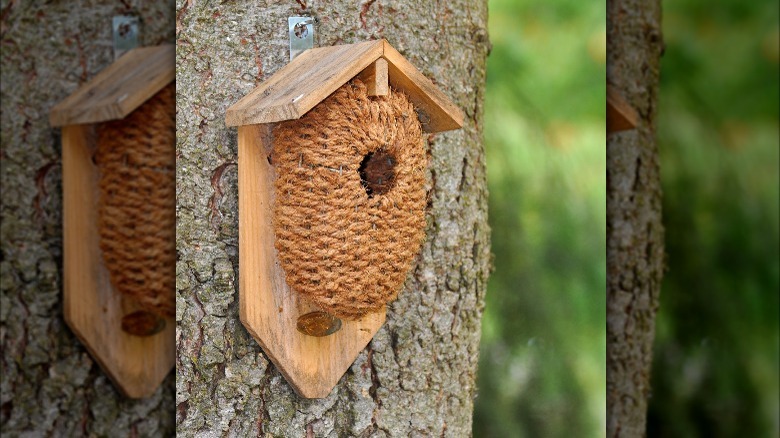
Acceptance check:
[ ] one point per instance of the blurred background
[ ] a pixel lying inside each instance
(542, 364)
(716, 359)
(717, 354)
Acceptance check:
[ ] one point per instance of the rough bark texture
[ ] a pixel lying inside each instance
(634, 229)
(417, 377)
(50, 384)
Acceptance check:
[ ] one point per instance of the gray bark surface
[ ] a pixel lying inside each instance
(50, 384)
(635, 250)
(417, 376)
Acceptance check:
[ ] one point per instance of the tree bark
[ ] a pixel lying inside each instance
(634, 231)
(417, 376)
(50, 384)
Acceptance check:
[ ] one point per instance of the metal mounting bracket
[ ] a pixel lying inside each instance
(301, 31)
(126, 30)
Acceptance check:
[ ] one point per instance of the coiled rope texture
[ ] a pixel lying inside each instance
(136, 208)
(346, 250)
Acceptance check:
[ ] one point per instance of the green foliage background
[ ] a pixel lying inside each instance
(717, 350)
(542, 365)
(717, 354)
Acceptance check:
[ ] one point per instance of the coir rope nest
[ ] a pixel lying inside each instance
(136, 208)
(349, 211)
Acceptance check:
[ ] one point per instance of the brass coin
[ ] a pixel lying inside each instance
(318, 324)
(142, 323)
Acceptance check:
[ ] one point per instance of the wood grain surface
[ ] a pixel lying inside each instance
(620, 115)
(316, 73)
(269, 309)
(93, 309)
(118, 89)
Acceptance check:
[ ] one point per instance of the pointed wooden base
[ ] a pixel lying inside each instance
(269, 309)
(93, 309)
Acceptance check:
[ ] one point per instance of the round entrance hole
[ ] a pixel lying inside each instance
(377, 172)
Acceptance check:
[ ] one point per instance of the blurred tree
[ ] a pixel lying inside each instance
(544, 337)
(634, 230)
(717, 346)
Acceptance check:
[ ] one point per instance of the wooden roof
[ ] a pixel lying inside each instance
(620, 115)
(120, 88)
(316, 73)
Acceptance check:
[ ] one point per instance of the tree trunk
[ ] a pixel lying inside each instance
(417, 376)
(50, 384)
(634, 230)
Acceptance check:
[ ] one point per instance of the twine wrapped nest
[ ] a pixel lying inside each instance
(137, 203)
(349, 211)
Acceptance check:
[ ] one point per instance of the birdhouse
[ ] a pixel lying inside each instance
(332, 166)
(620, 115)
(118, 181)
